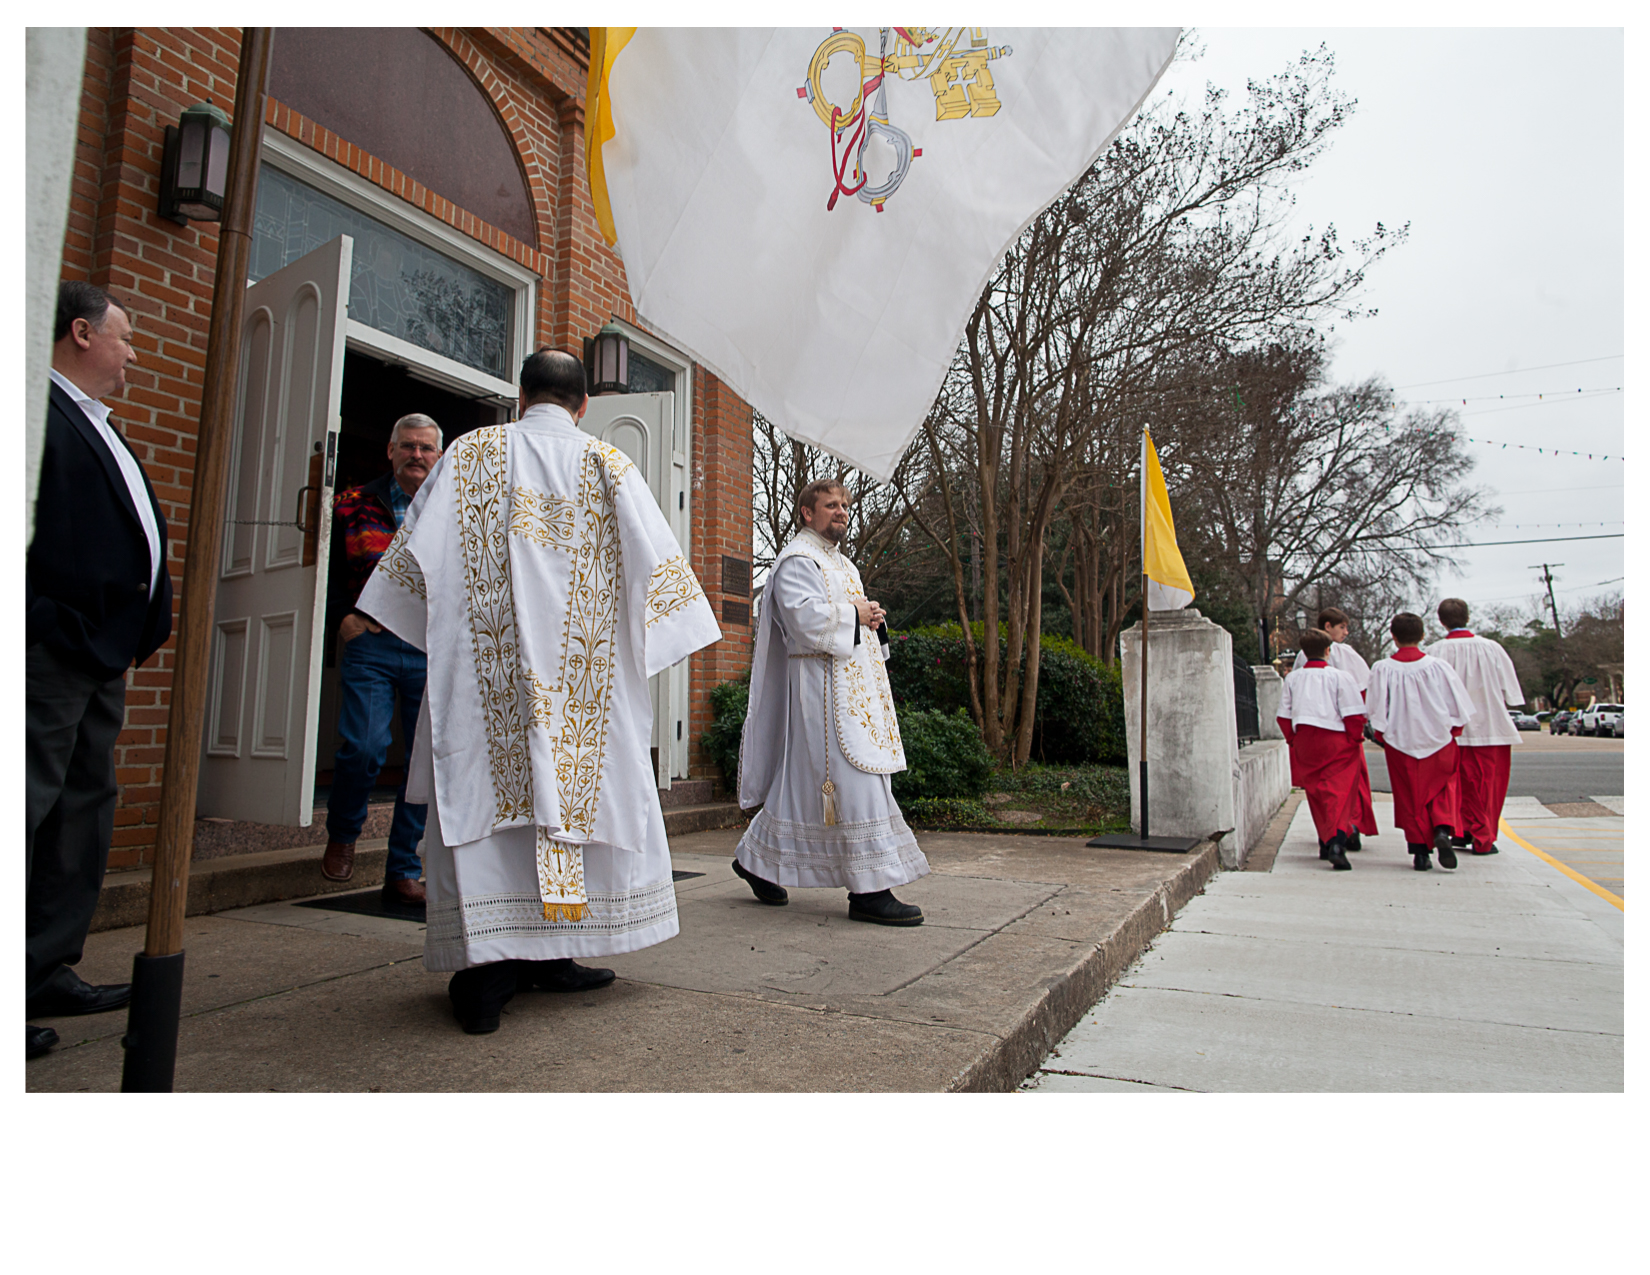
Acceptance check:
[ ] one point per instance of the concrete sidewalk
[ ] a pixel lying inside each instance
(1503, 975)
(1022, 935)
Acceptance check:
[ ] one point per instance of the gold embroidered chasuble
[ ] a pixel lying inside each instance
(538, 574)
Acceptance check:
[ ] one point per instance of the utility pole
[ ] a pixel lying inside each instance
(1547, 576)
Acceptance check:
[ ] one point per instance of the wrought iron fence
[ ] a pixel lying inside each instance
(1248, 703)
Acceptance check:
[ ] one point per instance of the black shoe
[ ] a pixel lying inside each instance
(41, 1039)
(480, 993)
(882, 908)
(1354, 843)
(765, 891)
(67, 993)
(1323, 850)
(564, 975)
(1335, 852)
(1441, 842)
(1422, 857)
(1489, 849)
(1459, 843)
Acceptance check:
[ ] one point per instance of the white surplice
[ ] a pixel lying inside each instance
(821, 712)
(1487, 671)
(1416, 703)
(1322, 697)
(1342, 656)
(539, 576)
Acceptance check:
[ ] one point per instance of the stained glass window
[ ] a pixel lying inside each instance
(397, 284)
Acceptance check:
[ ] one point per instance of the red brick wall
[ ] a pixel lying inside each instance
(137, 81)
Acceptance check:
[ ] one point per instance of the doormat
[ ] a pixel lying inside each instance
(368, 903)
(373, 903)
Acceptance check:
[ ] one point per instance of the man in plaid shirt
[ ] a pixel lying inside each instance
(375, 668)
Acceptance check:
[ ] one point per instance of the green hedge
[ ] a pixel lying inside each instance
(944, 757)
(1079, 699)
(728, 701)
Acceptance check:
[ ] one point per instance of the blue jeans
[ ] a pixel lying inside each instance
(373, 670)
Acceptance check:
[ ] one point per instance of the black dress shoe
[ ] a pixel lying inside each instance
(1423, 859)
(883, 909)
(564, 975)
(1489, 849)
(480, 993)
(1354, 843)
(1443, 843)
(41, 1039)
(1335, 852)
(67, 993)
(765, 891)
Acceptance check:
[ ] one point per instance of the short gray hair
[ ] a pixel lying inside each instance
(415, 420)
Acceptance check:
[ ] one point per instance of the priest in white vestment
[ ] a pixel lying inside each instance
(536, 571)
(821, 736)
(1487, 671)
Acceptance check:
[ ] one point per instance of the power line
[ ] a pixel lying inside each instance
(1539, 540)
(1547, 491)
(1449, 380)
(1558, 396)
(1589, 397)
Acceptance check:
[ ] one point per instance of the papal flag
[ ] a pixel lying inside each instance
(1168, 587)
(812, 212)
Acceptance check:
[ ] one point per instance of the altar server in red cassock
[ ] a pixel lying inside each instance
(1336, 623)
(1322, 716)
(1418, 706)
(1486, 744)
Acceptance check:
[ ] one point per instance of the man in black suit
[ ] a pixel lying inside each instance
(99, 600)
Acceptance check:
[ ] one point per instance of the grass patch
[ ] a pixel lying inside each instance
(1076, 800)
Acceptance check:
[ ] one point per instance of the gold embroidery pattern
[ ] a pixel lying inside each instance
(588, 656)
(401, 567)
(542, 517)
(479, 466)
(561, 879)
(672, 587)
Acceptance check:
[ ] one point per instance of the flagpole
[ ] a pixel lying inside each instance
(1145, 627)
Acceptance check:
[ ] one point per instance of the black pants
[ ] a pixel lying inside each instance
(70, 724)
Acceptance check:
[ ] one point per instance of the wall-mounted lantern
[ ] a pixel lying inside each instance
(607, 361)
(194, 167)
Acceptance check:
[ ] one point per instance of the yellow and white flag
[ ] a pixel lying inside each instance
(812, 212)
(1168, 587)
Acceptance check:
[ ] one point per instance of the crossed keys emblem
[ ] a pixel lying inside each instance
(953, 60)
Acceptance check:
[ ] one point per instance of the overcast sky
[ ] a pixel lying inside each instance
(1503, 150)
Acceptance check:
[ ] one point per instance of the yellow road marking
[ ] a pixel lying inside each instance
(1565, 868)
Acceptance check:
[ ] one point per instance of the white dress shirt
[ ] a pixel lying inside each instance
(98, 414)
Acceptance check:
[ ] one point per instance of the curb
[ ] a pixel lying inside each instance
(1265, 851)
(1071, 994)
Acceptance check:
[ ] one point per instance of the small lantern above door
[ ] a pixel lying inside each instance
(194, 168)
(607, 361)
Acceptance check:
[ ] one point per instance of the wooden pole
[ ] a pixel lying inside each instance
(157, 978)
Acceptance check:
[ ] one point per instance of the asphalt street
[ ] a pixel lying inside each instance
(1547, 769)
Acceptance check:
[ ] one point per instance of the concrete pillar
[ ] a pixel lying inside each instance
(1192, 729)
(1269, 698)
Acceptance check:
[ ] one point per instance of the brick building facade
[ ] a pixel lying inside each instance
(521, 95)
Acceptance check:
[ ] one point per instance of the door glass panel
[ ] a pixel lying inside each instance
(397, 284)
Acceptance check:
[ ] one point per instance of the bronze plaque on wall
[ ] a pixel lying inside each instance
(736, 577)
(735, 612)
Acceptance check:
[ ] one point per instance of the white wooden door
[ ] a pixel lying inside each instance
(260, 731)
(642, 426)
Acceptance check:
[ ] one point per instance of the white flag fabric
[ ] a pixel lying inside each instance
(812, 213)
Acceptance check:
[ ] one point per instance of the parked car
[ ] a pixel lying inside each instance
(1594, 718)
(1526, 721)
(1560, 725)
(1616, 729)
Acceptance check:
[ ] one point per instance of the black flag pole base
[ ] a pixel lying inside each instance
(151, 1039)
(1134, 841)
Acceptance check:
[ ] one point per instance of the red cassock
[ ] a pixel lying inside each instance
(1424, 793)
(1328, 764)
(1484, 774)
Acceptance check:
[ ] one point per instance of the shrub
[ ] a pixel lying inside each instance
(728, 701)
(1079, 699)
(944, 756)
(942, 812)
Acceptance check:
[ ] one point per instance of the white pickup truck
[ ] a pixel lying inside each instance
(1599, 719)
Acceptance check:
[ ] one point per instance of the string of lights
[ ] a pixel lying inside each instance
(1556, 396)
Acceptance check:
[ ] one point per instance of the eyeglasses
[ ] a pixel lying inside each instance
(430, 448)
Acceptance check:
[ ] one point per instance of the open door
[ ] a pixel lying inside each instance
(263, 701)
(642, 426)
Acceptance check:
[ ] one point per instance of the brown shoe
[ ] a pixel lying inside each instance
(406, 890)
(338, 863)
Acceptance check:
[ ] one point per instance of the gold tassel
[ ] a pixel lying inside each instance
(565, 911)
(829, 789)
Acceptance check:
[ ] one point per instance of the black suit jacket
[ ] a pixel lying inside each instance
(88, 568)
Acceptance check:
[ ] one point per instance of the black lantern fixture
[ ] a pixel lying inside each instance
(607, 361)
(194, 168)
